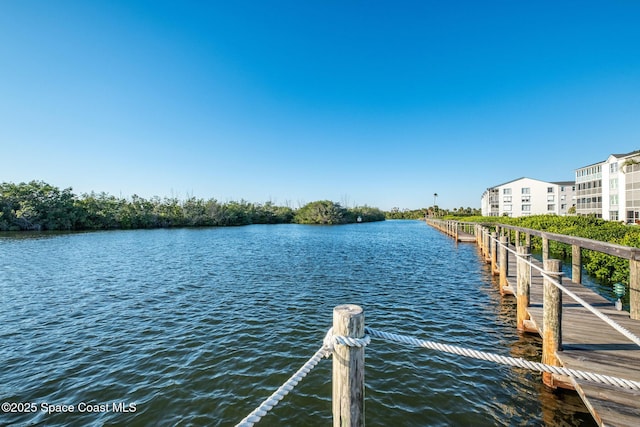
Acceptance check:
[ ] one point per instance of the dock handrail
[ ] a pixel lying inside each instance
(331, 340)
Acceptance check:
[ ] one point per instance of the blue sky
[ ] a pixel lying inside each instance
(360, 102)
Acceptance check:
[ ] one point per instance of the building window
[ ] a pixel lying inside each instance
(551, 207)
(526, 208)
(506, 199)
(613, 167)
(549, 189)
(551, 198)
(506, 191)
(563, 206)
(526, 199)
(613, 199)
(507, 207)
(526, 190)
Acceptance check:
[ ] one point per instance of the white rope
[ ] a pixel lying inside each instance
(504, 360)
(328, 344)
(284, 389)
(624, 331)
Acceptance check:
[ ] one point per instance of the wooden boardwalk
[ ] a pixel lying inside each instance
(589, 344)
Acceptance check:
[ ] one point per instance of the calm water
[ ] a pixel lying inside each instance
(198, 326)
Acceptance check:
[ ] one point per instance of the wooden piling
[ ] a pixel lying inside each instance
(551, 319)
(348, 368)
(504, 263)
(493, 244)
(576, 264)
(523, 284)
(545, 248)
(487, 245)
(634, 289)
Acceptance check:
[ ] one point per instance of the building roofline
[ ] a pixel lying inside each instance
(535, 179)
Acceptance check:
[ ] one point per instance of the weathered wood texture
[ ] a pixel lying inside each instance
(551, 318)
(523, 282)
(348, 368)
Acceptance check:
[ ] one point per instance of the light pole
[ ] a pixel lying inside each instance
(435, 197)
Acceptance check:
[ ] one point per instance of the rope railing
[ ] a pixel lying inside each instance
(505, 360)
(331, 340)
(615, 325)
(326, 350)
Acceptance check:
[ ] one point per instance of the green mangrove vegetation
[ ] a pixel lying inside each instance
(606, 268)
(397, 213)
(40, 206)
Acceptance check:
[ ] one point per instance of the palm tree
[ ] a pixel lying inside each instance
(435, 197)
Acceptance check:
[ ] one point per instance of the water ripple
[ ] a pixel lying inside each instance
(198, 326)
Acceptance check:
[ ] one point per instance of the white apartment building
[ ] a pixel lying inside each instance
(610, 189)
(528, 196)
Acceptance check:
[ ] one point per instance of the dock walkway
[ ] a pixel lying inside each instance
(589, 344)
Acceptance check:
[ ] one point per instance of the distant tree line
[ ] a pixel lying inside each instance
(396, 213)
(40, 206)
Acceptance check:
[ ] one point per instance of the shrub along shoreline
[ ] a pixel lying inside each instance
(40, 206)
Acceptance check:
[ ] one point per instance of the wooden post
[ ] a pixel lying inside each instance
(523, 295)
(551, 319)
(634, 289)
(517, 238)
(486, 240)
(494, 253)
(348, 368)
(576, 264)
(504, 263)
(456, 225)
(545, 249)
(527, 239)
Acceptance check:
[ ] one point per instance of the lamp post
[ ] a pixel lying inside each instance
(435, 197)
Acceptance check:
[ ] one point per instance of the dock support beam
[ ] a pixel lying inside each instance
(551, 319)
(493, 241)
(348, 368)
(523, 291)
(576, 264)
(504, 263)
(634, 289)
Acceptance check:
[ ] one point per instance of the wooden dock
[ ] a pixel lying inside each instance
(459, 233)
(587, 342)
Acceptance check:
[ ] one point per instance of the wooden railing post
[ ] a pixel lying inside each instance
(504, 263)
(551, 319)
(634, 289)
(545, 248)
(348, 368)
(523, 291)
(487, 246)
(576, 264)
(494, 252)
(527, 239)
(517, 243)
